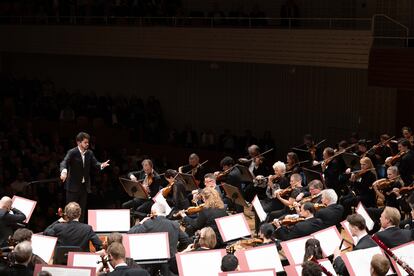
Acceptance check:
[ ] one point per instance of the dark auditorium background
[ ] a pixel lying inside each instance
(162, 79)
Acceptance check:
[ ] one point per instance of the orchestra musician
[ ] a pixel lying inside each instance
(332, 213)
(407, 134)
(253, 151)
(331, 170)
(384, 187)
(302, 228)
(179, 192)
(195, 168)
(311, 147)
(390, 234)
(380, 265)
(213, 208)
(116, 253)
(205, 239)
(151, 182)
(24, 234)
(9, 217)
(71, 232)
(313, 250)
(404, 160)
(21, 258)
(360, 187)
(357, 227)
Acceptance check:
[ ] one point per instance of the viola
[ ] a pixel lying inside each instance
(394, 159)
(406, 190)
(290, 221)
(286, 192)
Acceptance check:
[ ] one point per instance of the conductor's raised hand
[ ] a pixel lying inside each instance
(105, 164)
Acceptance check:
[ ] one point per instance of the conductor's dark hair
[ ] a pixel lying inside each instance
(227, 161)
(229, 263)
(82, 136)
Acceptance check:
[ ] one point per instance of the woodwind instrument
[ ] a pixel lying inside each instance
(391, 254)
(324, 270)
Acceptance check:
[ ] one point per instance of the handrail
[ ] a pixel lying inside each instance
(374, 17)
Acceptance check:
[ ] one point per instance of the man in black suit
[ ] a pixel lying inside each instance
(71, 232)
(357, 227)
(151, 181)
(301, 229)
(75, 171)
(195, 168)
(21, 253)
(332, 213)
(8, 220)
(159, 223)
(390, 234)
(331, 170)
(116, 252)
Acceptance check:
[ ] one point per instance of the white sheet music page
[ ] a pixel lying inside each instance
(329, 239)
(161, 199)
(85, 259)
(24, 205)
(266, 272)
(296, 249)
(360, 260)
(112, 220)
(149, 246)
(66, 271)
(43, 246)
(263, 257)
(361, 210)
(259, 209)
(201, 263)
(233, 227)
(405, 253)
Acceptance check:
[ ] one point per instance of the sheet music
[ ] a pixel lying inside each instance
(360, 260)
(266, 272)
(296, 249)
(66, 271)
(405, 253)
(329, 239)
(84, 259)
(259, 209)
(233, 227)
(26, 206)
(263, 257)
(202, 263)
(368, 221)
(43, 246)
(345, 224)
(161, 199)
(149, 246)
(112, 220)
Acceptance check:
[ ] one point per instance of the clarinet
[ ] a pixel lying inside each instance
(324, 270)
(403, 264)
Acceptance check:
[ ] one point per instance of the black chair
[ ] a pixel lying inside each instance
(61, 254)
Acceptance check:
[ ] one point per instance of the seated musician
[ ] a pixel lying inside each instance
(151, 182)
(21, 258)
(390, 234)
(213, 208)
(194, 167)
(116, 253)
(24, 234)
(313, 250)
(71, 232)
(310, 268)
(9, 217)
(332, 213)
(357, 227)
(407, 133)
(296, 189)
(293, 166)
(209, 182)
(361, 187)
(309, 225)
(205, 239)
(331, 170)
(179, 192)
(380, 265)
(404, 160)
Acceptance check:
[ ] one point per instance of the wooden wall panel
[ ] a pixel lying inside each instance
(288, 100)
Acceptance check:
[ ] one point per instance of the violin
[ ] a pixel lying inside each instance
(394, 159)
(319, 206)
(192, 210)
(405, 190)
(385, 183)
(290, 221)
(285, 192)
(243, 244)
(359, 173)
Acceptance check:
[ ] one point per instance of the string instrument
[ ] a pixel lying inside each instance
(290, 221)
(105, 263)
(243, 244)
(61, 214)
(245, 160)
(192, 210)
(169, 187)
(291, 168)
(305, 199)
(319, 206)
(329, 159)
(378, 145)
(403, 264)
(285, 192)
(384, 183)
(359, 173)
(403, 190)
(394, 159)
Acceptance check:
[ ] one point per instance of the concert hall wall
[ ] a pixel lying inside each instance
(288, 100)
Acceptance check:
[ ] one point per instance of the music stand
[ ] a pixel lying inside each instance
(351, 160)
(246, 175)
(189, 182)
(134, 188)
(234, 194)
(62, 252)
(312, 174)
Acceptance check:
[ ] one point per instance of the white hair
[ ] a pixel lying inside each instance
(280, 165)
(159, 209)
(330, 195)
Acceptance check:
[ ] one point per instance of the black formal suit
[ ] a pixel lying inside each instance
(16, 270)
(406, 167)
(394, 236)
(162, 224)
(78, 181)
(300, 229)
(206, 218)
(7, 222)
(73, 233)
(331, 175)
(128, 271)
(330, 215)
(363, 243)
